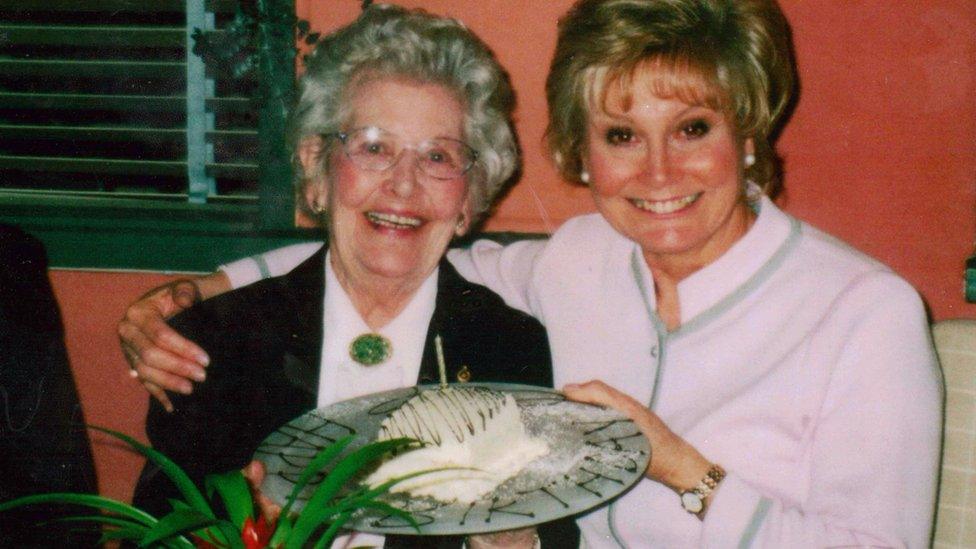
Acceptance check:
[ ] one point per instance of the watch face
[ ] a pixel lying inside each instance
(692, 502)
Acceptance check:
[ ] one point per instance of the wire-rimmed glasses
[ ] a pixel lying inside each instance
(376, 149)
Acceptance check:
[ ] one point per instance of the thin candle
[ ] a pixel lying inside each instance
(440, 360)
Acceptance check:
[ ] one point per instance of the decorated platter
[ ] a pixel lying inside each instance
(595, 454)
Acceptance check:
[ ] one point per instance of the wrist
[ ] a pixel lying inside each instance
(684, 474)
(213, 284)
(696, 499)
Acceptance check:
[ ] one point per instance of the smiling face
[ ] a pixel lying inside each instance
(393, 226)
(667, 175)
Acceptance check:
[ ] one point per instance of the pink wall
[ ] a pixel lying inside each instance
(881, 151)
(91, 305)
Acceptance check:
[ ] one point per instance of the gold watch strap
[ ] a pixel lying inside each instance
(693, 500)
(710, 481)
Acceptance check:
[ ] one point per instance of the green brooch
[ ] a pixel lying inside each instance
(370, 349)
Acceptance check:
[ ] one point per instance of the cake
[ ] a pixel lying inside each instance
(476, 433)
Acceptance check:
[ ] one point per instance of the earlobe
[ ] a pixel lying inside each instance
(464, 219)
(316, 195)
(462, 226)
(310, 154)
(749, 146)
(748, 152)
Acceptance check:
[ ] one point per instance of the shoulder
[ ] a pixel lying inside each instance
(232, 309)
(582, 242)
(258, 311)
(18, 245)
(833, 263)
(590, 231)
(475, 303)
(271, 263)
(23, 258)
(497, 342)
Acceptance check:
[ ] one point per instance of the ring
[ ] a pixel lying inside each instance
(131, 363)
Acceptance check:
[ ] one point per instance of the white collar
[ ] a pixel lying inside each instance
(339, 376)
(709, 285)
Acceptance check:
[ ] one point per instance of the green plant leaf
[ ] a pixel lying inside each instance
(104, 519)
(194, 498)
(235, 494)
(283, 529)
(121, 529)
(366, 493)
(390, 510)
(365, 497)
(88, 500)
(177, 504)
(176, 523)
(321, 459)
(133, 534)
(318, 510)
(330, 534)
(187, 489)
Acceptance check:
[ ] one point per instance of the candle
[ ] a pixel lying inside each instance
(440, 360)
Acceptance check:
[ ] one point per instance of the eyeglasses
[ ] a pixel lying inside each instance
(375, 149)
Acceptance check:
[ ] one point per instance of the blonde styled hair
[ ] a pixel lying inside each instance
(729, 55)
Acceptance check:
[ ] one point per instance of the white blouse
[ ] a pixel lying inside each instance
(342, 378)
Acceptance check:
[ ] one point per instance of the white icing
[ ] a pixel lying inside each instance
(476, 432)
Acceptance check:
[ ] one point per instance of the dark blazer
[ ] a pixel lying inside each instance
(265, 342)
(43, 440)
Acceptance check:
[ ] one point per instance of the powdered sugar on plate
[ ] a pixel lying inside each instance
(595, 454)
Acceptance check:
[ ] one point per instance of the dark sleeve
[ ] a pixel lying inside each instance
(43, 443)
(217, 427)
(495, 342)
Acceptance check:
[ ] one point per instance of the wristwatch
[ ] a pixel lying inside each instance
(693, 500)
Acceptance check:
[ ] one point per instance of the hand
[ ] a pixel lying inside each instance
(523, 538)
(674, 462)
(254, 473)
(158, 356)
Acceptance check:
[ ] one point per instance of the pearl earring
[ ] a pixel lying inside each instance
(749, 160)
(585, 176)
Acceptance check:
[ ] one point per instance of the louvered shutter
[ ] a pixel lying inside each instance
(105, 97)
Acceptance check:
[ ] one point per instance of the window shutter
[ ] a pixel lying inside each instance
(105, 97)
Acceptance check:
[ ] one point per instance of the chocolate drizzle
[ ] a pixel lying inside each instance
(464, 411)
(611, 447)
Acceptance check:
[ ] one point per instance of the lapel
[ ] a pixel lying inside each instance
(303, 292)
(452, 312)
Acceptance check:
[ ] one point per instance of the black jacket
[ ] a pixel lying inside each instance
(265, 342)
(43, 442)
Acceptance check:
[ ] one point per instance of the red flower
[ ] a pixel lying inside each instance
(203, 543)
(256, 535)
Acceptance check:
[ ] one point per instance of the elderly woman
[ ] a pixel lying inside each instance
(402, 136)
(785, 381)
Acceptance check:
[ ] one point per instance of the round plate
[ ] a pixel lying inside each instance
(595, 454)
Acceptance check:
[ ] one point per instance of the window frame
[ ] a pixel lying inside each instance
(142, 231)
